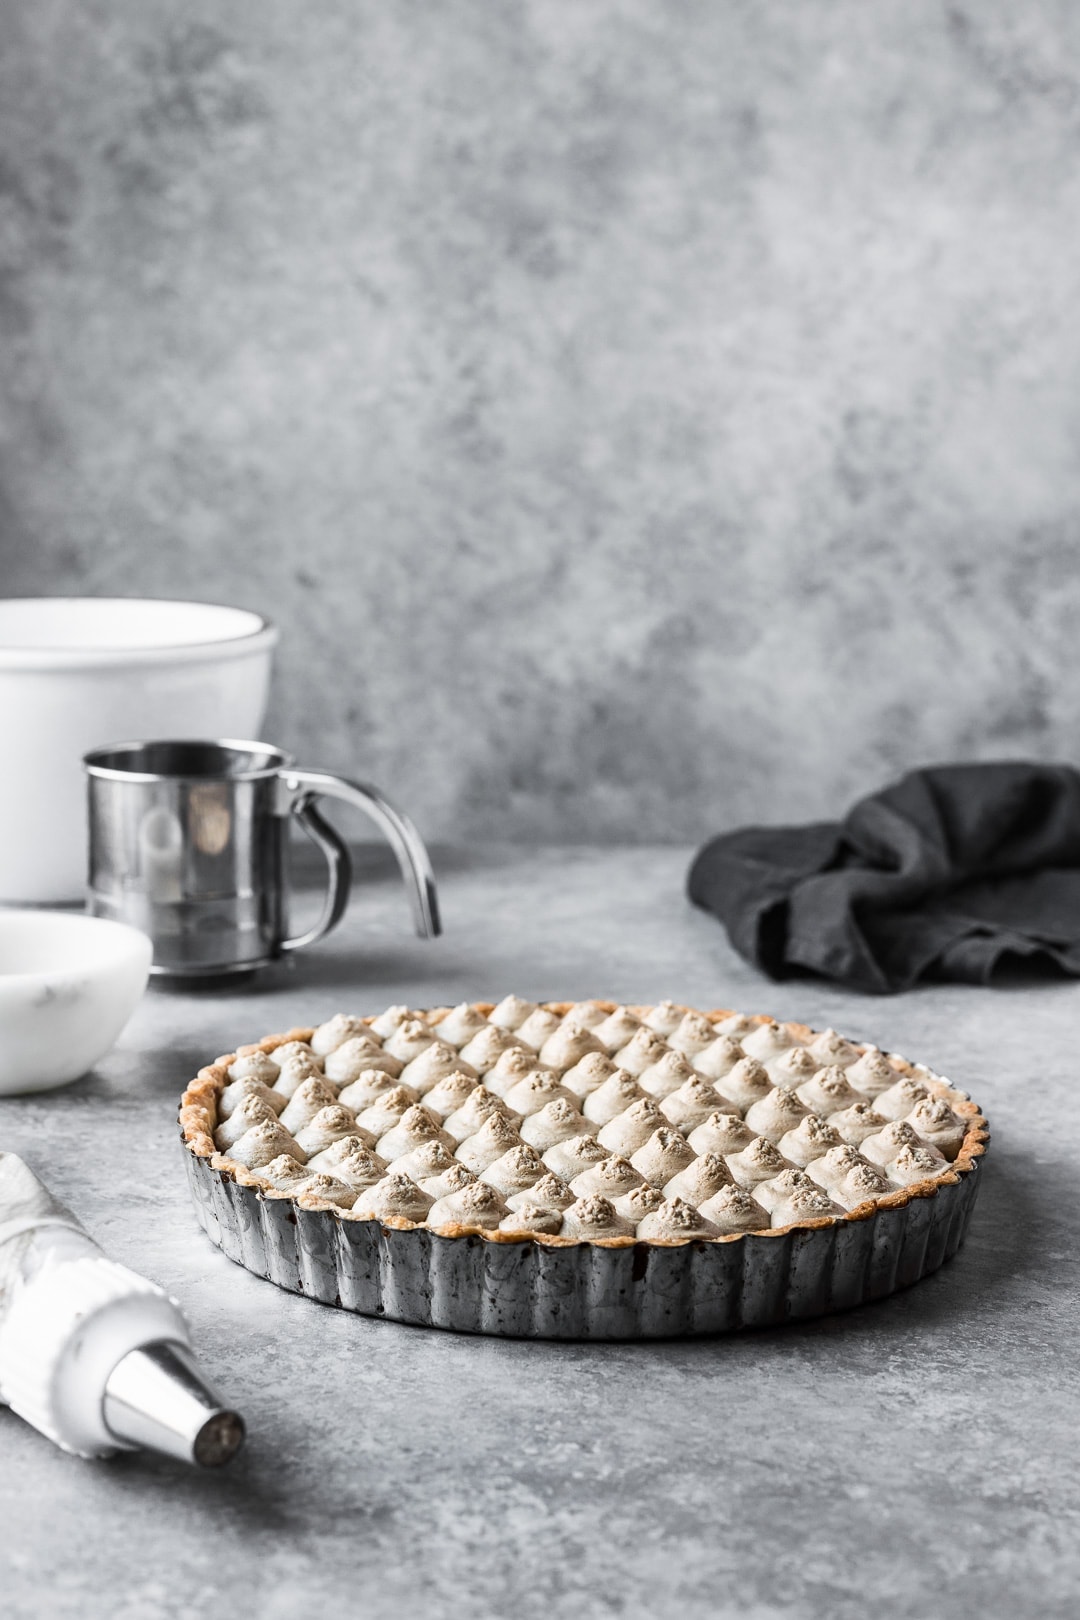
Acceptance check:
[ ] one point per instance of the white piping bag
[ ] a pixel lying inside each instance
(95, 1356)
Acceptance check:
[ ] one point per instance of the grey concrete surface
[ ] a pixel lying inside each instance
(643, 417)
(915, 1458)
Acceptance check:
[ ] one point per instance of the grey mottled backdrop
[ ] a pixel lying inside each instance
(641, 417)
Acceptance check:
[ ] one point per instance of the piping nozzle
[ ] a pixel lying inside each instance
(156, 1397)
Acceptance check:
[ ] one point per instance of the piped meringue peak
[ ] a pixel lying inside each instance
(583, 1122)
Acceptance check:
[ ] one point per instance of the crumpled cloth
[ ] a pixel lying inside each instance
(954, 872)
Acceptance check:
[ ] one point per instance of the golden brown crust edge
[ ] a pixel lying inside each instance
(198, 1113)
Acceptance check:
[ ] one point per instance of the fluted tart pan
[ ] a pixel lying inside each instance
(522, 1285)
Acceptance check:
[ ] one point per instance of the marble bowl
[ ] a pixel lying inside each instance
(68, 985)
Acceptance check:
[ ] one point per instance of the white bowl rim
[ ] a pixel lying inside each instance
(69, 923)
(260, 635)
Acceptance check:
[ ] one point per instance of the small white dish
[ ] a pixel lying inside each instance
(68, 985)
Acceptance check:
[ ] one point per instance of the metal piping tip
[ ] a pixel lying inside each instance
(157, 1397)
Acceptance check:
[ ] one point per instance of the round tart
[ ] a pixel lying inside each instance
(580, 1169)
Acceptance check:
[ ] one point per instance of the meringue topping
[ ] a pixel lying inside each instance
(517, 1170)
(524, 1121)
(254, 1065)
(693, 1103)
(594, 1217)
(448, 1181)
(830, 1049)
(368, 1087)
(721, 1133)
(486, 1047)
(305, 1102)
(478, 1107)
(700, 1180)
(250, 1110)
(660, 1079)
(434, 1064)
(611, 1099)
(773, 1116)
(515, 1064)
(631, 1130)
(861, 1184)
(618, 1028)
(530, 1219)
(550, 1192)
(386, 1023)
(262, 1142)
(936, 1123)
(535, 1092)
(556, 1122)
(663, 1156)
(809, 1140)
(537, 1028)
(780, 1189)
(448, 1094)
(353, 1057)
(294, 1049)
(235, 1092)
(873, 1073)
(460, 1024)
(833, 1166)
(733, 1210)
(568, 1045)
(693, 1035)
(915, 1164)
(638, 1202)
(495, 1137)
(415, 1127)
(900, 1099)
(736, 1024)
(747, 1083)
(335, 1032)
(411, 1037)
(641, 1052)
(568, 1159)
(674, 1221)
(857, 1123)
(587, 1013)
(328, 1126)
(478, 1205)
(385, 1112)
(395, 1197)
(793, 1068)
(328, 1190)
(285, 1173)
(767, 1042)
(808, 1204)
(350, 1161)
(665, 1017)
(611, 1177)
(293, 1071)
(511, 1012)
(588, 1075)
(885, 1144)
(828, 1092)
(758, 1162)
(716, 1060)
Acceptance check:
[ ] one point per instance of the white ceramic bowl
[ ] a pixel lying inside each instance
(68, 985)
(79, 672)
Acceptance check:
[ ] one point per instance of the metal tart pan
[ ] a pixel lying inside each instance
(528, 1289)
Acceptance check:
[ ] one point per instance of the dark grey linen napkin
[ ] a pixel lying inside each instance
(954, 872)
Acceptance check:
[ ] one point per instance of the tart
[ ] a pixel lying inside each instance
(412, 1163)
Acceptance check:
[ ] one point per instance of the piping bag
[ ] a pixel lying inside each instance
(95, 1356)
